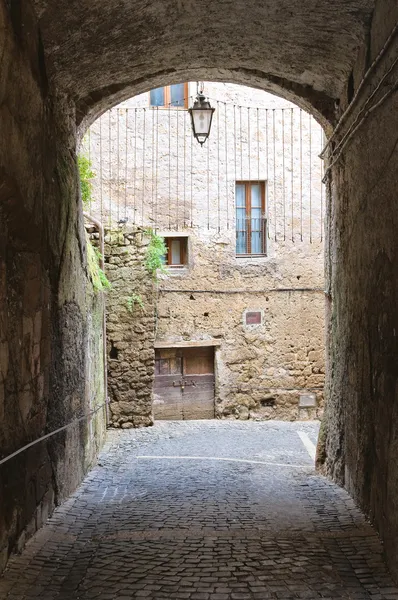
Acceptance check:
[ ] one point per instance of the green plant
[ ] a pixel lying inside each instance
(97, 275)
(105, 283)
(133, 300)
(155, 254)
(86, 175)
(97, 254)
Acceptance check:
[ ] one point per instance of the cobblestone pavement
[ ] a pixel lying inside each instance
(210, 510)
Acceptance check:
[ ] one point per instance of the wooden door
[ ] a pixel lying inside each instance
(184, 383)
(167, 401)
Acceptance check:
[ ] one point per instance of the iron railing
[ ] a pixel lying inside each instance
(251, 237)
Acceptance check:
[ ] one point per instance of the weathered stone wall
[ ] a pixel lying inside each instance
(261, 371)
(150, 170)
(50, 321)
(362, 265)
(130, 329)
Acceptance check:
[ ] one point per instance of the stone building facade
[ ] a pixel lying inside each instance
(259, 313)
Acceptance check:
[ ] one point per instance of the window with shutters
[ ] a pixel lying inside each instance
(251, 222)
(177, 252)
(170, 95)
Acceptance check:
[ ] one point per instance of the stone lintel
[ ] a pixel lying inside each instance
(187, 344)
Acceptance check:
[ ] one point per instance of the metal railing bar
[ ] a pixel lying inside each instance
(48, 435)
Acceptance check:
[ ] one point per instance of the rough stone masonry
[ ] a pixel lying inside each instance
(51, 365)
(130, 309)
(270, 369)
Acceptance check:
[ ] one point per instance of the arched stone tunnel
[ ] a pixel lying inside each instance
(62, 63)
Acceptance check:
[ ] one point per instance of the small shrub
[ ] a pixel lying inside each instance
(155, 254)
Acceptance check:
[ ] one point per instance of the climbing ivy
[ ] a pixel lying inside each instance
(155, 254)
(99, 279)
(86, 175)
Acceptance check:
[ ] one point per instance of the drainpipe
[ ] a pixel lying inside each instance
(99, 225)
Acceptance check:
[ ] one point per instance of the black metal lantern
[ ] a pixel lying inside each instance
(201, 117)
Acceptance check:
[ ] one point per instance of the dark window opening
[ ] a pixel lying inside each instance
(251, 222)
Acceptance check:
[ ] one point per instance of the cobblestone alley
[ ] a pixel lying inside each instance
(210, 510)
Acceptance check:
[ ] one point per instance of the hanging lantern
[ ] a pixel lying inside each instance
(201, 116)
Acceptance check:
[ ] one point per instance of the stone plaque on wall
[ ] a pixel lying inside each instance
(253, 318)
(307, 401)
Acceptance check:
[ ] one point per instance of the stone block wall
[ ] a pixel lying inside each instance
(362, 266)
(50, 321)
(261, 370)
(130, 329)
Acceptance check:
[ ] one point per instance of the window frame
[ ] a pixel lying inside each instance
(183, 251)
(167, 98)
(248, 184)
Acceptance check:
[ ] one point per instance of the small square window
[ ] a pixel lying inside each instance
(177, 252)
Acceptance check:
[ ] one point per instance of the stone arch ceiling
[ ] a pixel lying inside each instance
(100, 52)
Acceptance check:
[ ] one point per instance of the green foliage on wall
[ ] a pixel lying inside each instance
(135, 299)
(155, 254)
(86, 175)
(97, 275)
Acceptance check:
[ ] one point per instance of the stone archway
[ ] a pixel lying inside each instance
(75, 59)
(304, 51)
